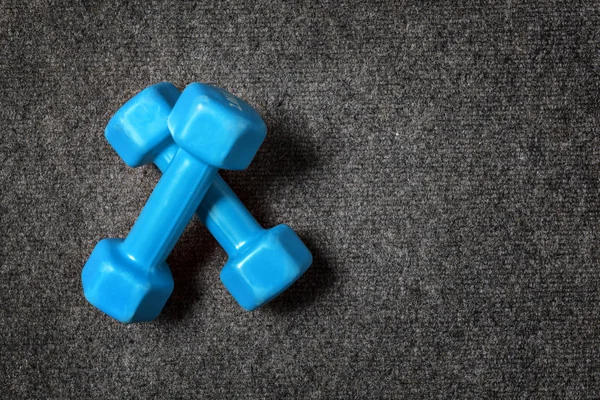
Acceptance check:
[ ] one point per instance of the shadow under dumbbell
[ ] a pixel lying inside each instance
(315, 283)
(285, 159)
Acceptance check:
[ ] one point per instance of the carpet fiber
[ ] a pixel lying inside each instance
(440, 159)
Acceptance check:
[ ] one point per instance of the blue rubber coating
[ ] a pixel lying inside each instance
(265, 267)
(129, 280)
(122, 288)
(232, 131)
(121, 277)
(132, 131)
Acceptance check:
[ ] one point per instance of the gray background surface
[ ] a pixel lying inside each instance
(441, 160)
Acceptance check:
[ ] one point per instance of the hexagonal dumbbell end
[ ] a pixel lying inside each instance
(265, 266)
(139, 131)
(216, 127)
(118, 286)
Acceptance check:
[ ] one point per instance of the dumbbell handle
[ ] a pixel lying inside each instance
(221, 211)
(169, 209)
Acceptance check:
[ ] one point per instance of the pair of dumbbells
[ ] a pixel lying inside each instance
(189, 135)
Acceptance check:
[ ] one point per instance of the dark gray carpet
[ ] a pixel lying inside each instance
(441, 159)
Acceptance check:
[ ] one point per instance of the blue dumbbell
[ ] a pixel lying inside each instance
(130, 279)
(262, 262)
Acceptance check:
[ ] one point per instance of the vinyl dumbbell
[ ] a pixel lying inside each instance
(130, 279)
(262, 263)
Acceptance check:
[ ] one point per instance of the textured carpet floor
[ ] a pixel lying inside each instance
(441, 160)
